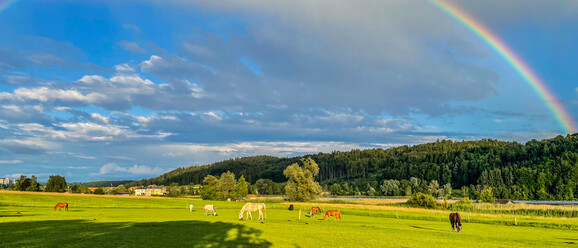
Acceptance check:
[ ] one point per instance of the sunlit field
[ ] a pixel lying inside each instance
(28, 220)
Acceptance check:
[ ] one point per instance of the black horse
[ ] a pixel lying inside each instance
(291, 207)
(456, 221)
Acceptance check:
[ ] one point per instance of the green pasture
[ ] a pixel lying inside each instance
(28, 220)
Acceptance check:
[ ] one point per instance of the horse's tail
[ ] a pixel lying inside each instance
(265, 210)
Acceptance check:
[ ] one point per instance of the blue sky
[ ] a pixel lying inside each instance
(129, 90)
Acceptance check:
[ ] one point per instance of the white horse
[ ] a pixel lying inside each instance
(210, 208)
(191, 208)
(252, 207)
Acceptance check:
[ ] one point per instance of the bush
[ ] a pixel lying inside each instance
(422, 200)
(465, 201)
(99, 191)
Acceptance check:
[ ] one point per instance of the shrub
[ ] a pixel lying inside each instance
(422, 200)
(465, 201)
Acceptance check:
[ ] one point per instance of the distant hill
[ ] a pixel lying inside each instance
(536, 169)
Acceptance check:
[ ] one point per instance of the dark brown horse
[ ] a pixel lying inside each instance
(330, 213)
(61, 205)
(456, 221)
(313, 211)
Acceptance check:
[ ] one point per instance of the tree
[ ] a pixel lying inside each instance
(371, 191)
(487, 195)
(23, 183)
(99, 191)
(241, 188)
(447, 190)
(265, 186)
(433, 187)
(56, 183)
(335, 189)
(210, 189)
(227, 184)
(465, 191)
(173, 190)
(33, 184)
(301, 185)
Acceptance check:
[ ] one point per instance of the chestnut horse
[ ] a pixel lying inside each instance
(330, 213)
(313, 211)
(61, 205)
(456, 221)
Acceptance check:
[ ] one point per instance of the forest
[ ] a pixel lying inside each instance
(541, 170)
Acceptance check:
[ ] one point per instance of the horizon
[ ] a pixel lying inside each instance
(130, 90)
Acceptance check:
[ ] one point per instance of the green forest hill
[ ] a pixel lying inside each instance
(545, 170)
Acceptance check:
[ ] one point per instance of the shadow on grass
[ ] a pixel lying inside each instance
(81, 233)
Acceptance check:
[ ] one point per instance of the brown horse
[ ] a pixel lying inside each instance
(330, 213)
(61, 205)
(313, 211)
(456, 221)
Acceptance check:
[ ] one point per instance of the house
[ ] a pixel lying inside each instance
(122, 193)
(503, 202)
(148, 191)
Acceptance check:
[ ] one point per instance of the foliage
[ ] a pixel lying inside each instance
(241, 188)
(335, 189)
(99, 191)
(546, 169)
(487, 195)
(56, 183)
(464, 201)
(227, 183)
(210, 189)
(301, 185)
(265, 186)
(422, 200)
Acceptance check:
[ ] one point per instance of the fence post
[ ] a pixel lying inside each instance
(299, 214)
(396, 214)
(515, 220)
(468, 217)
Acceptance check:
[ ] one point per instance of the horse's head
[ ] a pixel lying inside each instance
(460, 227)
(241, 216)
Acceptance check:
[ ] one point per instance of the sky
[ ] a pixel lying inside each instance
(112, 90)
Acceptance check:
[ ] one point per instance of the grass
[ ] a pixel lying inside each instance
(28, 220)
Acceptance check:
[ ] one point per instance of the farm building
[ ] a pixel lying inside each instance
(148, 191)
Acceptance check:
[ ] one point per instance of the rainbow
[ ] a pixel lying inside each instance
(476, 27)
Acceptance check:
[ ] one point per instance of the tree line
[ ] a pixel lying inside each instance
(543, 170)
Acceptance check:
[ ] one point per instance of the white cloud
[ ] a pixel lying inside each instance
(45, 94)
(100, 118)
(131, 46)
(111, 168)
(10, 161)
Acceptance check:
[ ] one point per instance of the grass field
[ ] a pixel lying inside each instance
(28, 220)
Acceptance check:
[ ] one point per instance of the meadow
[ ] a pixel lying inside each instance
(28, 220)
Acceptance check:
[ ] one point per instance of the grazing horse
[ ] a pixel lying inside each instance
(313, 211)
(210, 208)
(456, 221)
(191, 208)
(291, 207)
(330, 213)
(252, 207)
(61, 205)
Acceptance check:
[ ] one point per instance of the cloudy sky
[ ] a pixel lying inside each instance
(131, 89)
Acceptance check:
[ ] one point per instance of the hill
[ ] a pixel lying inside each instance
(543, 169)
